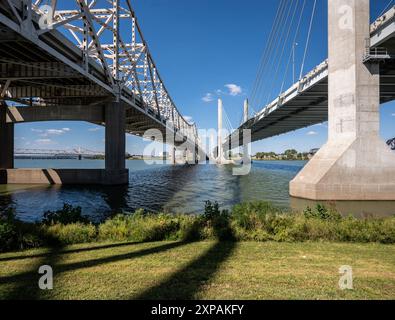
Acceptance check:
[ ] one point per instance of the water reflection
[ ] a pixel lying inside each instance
(181, 189)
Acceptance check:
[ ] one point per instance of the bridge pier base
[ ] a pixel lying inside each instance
(355, 164)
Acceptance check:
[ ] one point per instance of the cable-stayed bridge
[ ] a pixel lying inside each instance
(83, 60)
(305, 103)
(346, 90)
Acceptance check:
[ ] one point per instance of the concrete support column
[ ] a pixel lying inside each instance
(115, 144)
(173, 155)
(220, 147)
(6, 140)
(355, 164)
(245, 147)
(196, 154)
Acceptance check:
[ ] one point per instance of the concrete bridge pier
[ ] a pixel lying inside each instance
(355, 164)
(115, 172)
(115, 145)
(173, 155)
(6, 140)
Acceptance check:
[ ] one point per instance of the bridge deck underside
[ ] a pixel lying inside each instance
(308, 108)
(32, 72)
(36, 76)
(311, 107)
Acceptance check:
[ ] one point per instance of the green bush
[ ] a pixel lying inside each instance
(140, 228)
(7, 235)
(68, 214)
(69, 234)
(15, 234)
(322, 212)
(255, 221)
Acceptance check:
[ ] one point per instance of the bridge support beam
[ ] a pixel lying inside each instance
(6, 140)
(173, 155)
(115, 144)
(355, 164)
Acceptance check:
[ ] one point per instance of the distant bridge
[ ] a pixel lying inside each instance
(78, 153)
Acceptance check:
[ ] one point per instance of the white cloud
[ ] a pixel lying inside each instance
(94, 129)
(393, 114)
(234, 90)
(312, 133)
(208, 97)
(56, 132)
(51, 132)
(43, 141)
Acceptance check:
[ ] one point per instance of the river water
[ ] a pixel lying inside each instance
(161, 187)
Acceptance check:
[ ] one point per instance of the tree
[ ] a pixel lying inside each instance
(291, 154)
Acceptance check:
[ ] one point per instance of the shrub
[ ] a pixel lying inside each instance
(15, 234)
(7, 235)
(116, 229)
(252, 215)
(322, 212)
(258, 221)
(140, 228)
(190, 229)
(68, 214)
(69, 234)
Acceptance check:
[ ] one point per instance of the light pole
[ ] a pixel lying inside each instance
(295, 44)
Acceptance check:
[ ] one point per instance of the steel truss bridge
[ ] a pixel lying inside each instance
(306, 102)
(63, 60)
(78, 153)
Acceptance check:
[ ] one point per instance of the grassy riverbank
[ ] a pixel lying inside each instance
(201, 270)
(258, 221)
(254, 251)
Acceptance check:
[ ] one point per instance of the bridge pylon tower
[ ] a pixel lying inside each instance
(355, 164)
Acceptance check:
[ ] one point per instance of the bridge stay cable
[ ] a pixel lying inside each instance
(274, 57)
(271, 59)
(291, 54)
(390, 3)
(271, 44)
(262, 63)
(276, 74)
(308, 40)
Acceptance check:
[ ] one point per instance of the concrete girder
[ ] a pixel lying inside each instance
(94, 114)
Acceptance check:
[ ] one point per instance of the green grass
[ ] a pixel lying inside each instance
(201, 270)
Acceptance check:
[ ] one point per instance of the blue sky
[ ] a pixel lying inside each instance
(204, 50)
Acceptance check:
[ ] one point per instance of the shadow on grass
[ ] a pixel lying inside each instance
(43, 255)
(26, 283)
(184, 284)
